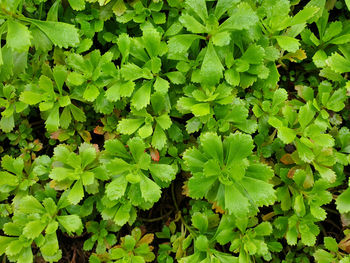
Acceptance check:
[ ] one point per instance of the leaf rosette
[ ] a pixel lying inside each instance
(226, 174)
(131, 184)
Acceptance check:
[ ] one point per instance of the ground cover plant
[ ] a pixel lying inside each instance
(190, 131)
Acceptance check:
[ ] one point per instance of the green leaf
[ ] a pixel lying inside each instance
(77, 113)
(30, 205)
(200, 109)
(14, 247)
(4, 241)
(76, 194)
(137, 148)
(343, 202)
(116, 148)
(338, 63)
(179, 44)
(331, 244)
(222, 6)
(152, 41)
(192, 24)
(61, 34)
(91, 92)
(287, 135)
(322, 256)
(77, 5)
(150, 191)
(254, 55)
(50, 249)
(64, 101)
(306, 114)
(304, 152)
(26, 256)
(8, 179)
(235, 202)
(199, 7)
(7, 123)
(163, 172)
(129, 126)
(288, 43)
(133, 72)
(53, 120)
(75, 78)
(161, 85)
(33, 229)
(71, 223)
(201, 243)
(304, 15)
(13, 165)
(221, 39)
(116, 188)
(212, 146)
(159, 138)
(200, 221)
(164, 121)
(176, 77)
(211, 70)
(12, 229)
(263, 229)
(119, 8)
(142, 96)
(299, 206)
(145, 131)
(60, 75)
(118, 166)
(319, 58)
(242, 17)
(88, 154)
(123, 214)
(18, 36)
(336, 101)
(239, 147)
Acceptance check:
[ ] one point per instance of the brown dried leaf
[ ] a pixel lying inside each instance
(146, 239)
(345, 219)
(218, 209)
(345, 244)
(99, 130)
(185, 190)
(56, 134)
(287, 159)
(85, 135)
(298, 55)
(292, 172)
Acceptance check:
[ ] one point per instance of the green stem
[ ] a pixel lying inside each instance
(21, 7)
(40, 10)
(179, 212)
(150, 220)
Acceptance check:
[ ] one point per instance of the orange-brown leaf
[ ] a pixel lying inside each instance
(217, 208)
(99, 130)
(55, 134)
(287, 159)
(154, 154)
(292, 172)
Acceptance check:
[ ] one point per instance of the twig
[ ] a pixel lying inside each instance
(149, 220)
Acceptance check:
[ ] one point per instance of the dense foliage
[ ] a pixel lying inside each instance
(175, 131)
